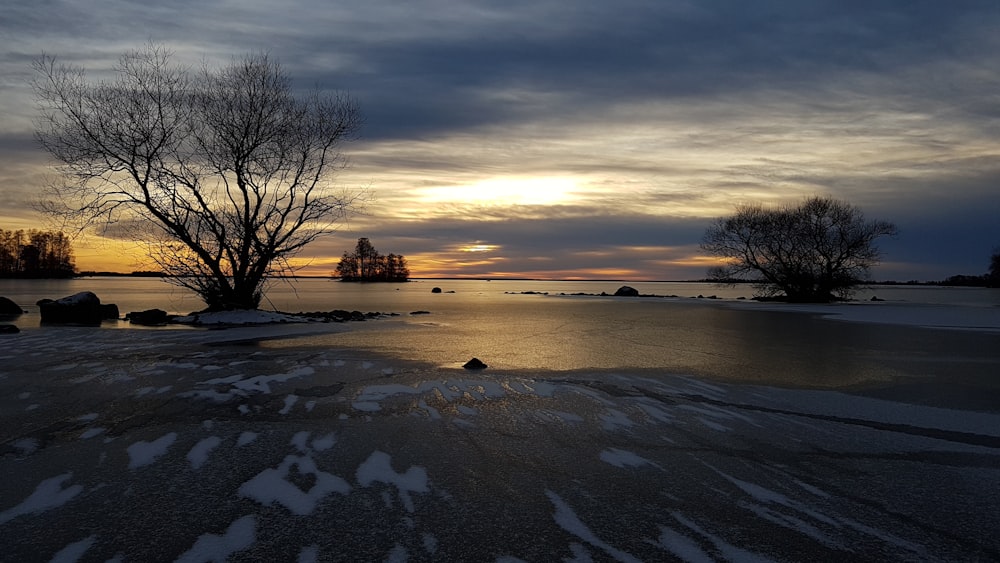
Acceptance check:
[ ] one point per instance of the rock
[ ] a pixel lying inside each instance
(109, 312)
(626, 291)
(420, 313)
(9, 308)
(82, 308)
(436, 290)
(9, 329)
(474, 363)
(149, 317)
(874, 298)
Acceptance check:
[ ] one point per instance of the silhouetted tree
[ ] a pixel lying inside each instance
(367, 265)
(816, 251)
(225, 173)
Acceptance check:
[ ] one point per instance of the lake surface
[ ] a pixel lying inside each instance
(320, 294)
(510, 329)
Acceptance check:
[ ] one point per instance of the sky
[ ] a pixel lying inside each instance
(586, 139)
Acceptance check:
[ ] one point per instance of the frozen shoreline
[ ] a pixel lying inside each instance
(198, 444)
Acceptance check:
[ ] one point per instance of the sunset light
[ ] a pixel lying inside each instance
(505, 191)
(469, 280)
(477, 139)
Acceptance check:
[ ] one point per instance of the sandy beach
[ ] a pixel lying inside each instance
(241, 445)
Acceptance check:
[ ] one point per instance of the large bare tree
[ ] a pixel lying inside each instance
(224, 172)
(817, 251)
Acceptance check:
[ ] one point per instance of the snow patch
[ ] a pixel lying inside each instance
(683, 547)
(47, 495)
(240, 535)
(272, 486)
(324, 443)
(622, 458)
(27, 446)
(74, 551)
(378, 468)
(245, 438)
(309, 554)
(199, 453)
(143, 453)
(290, 401)
(569, 521)
(91, 432)
(397, 554)
(613, 419)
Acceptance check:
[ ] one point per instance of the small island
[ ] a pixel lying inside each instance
(367, 265)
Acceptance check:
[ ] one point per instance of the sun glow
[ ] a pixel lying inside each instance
(478, 247)
(507, 190)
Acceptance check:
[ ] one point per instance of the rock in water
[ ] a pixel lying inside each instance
(626, 291)
(436, 290)
(9, 329)
(109, 312)
(474, 363)
(9, 308)
(149, 317)
(82, 308)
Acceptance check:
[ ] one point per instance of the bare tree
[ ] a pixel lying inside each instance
(816, 251)
(223, 172)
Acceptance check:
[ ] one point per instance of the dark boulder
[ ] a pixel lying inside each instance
(436, 290)
(9, 329)
(9, 308)
(420, 312)
(149, 317)
(82, 308)
(109, 312)
(474, 363)
(626, 291)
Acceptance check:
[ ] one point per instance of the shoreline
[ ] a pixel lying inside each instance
(263, 442)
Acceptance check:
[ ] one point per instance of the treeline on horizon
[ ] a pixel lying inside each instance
(35, 254)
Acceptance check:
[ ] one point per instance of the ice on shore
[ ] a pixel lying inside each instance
(240, 317)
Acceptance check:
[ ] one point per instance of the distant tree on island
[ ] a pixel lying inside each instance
(817, 251)
(225, 173)
(35, 254)
(367, 265)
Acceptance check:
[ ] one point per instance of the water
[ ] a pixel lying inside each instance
(499, 323)
(318, 294)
